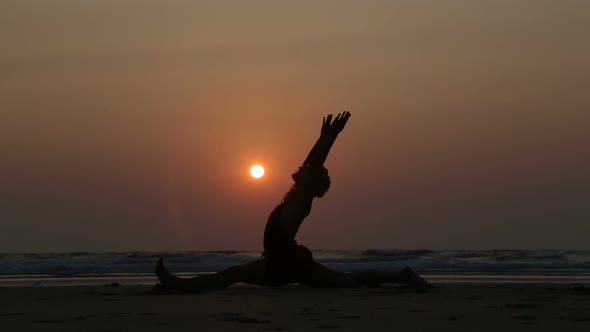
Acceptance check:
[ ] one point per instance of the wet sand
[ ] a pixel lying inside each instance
(445, 307)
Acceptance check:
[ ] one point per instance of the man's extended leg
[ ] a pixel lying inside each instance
(251, 273)
(323, 276)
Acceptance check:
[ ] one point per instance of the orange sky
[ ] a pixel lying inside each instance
(131, 125)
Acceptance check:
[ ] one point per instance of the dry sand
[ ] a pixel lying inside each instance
(446, 307)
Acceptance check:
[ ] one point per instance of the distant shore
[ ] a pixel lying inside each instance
(445, 307)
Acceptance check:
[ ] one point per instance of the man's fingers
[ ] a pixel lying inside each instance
(345, 119)
(338, 123)
(341, 120)
(329, 120)
(345, 116)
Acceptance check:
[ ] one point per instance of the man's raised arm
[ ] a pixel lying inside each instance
(330, 130)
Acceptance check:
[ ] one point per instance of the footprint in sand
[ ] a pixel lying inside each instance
(227, 314)
(10, 314)
(525, 306)
(328, 327)
(247, 320)
(348, 317)
(575, 319)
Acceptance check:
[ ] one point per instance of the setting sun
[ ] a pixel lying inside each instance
(257, 171)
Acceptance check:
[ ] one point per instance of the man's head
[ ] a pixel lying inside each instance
(313, 179)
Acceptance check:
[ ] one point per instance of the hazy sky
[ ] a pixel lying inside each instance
(131, 125)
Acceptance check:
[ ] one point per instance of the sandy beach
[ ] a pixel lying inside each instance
(445, 307)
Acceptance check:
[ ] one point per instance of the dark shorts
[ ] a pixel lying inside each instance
(289, 266)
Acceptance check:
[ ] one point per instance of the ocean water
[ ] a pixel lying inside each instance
(444, 265)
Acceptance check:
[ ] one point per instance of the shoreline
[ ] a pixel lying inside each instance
(446, 306)
(130, 279)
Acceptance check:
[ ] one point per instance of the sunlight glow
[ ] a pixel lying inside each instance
(257, 171)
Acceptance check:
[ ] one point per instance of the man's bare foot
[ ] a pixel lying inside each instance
(414, 279)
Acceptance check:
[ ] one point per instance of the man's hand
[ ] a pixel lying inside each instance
(330, 130)
(326, 125)
(334, 128)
